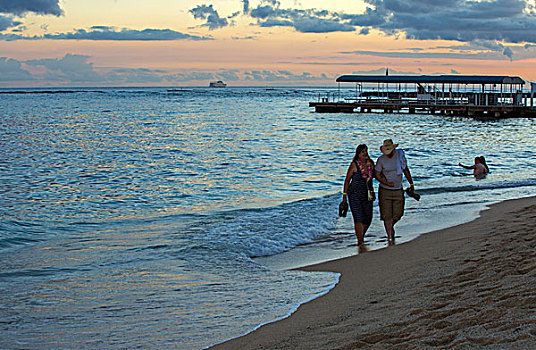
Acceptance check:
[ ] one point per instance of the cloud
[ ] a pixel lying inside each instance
(77, 70)
(480, 46)
(11, 70)
(98, 33)
(189, 76)
(135, 76)
(510, 21)
(110, 33)
(213, 19)
(310, 24)
(275, 76)
(7, 22)
(226, 75)
(488, 55)
(329, 63)
(304, 21)
(495, 46)
(276, 23)
(40, 7)
(504, 21)
(381, 71)
(70, 68)
(271, 15)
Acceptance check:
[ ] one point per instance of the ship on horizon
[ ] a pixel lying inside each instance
(217, 84)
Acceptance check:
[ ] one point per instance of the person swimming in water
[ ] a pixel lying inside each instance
(480, 168)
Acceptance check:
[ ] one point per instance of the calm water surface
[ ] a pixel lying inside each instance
(156, 218)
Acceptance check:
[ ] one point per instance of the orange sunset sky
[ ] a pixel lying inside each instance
(80, 43)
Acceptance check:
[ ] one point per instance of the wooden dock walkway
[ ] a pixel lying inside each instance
(391, 106)
(455, 95)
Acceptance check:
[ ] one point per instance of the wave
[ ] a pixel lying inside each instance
(269, 231)
(273, 230)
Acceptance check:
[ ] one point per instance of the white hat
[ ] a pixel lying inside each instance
(388, 146)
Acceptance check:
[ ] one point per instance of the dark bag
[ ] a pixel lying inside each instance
(370, 191)
(343, 209)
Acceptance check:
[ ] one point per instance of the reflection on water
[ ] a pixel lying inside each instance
(130, 216)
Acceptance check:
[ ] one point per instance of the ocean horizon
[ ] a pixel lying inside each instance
(173, 217)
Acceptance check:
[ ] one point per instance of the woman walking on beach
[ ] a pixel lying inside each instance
(357, 184)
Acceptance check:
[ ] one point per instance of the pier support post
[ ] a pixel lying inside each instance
(532, 91)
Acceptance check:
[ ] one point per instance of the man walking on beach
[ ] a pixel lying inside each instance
(392, 164)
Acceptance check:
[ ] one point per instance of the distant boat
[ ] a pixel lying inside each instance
(217, 84)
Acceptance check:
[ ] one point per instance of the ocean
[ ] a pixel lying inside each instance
(161, 218)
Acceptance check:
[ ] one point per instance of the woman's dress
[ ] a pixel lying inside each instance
(360, 206)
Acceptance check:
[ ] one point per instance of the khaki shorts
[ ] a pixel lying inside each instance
(391, 203)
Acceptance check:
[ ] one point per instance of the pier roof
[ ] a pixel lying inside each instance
(431, 79)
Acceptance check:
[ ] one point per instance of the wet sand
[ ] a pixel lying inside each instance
(468, 286)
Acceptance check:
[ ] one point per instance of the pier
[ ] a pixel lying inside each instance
(455, 95)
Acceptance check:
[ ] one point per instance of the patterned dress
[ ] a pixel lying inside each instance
(360, 206)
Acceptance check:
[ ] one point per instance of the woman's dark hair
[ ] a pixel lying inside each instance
(483, 161)
(358, 150)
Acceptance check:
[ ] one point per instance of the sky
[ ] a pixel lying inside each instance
(82, 43)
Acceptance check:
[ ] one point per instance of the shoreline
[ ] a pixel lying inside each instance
(464, 286)
(321, 251)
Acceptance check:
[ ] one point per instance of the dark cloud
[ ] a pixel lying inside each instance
(213, 19)
(271, 15)
(506, 21)
(113, 34)
(276, 23)
(320, 25)
(263, 12)
(7, 22)
(21, 7)
(304, 21)
(499, 20)
(364, 31)
(109, 33)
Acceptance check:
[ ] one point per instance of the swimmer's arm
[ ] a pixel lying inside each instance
(466, 167)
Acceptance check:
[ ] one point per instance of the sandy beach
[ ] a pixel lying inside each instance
(468, 286)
